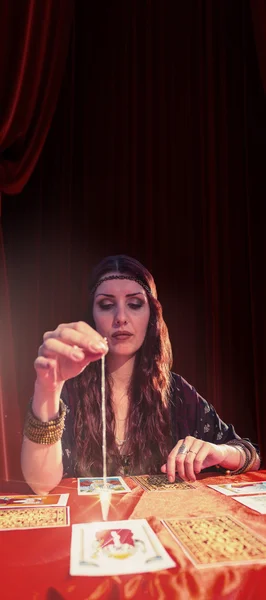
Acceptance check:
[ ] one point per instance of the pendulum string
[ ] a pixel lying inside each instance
(105, 493)
(104, 422)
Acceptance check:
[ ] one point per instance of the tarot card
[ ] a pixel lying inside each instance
(116, 548)
(34, 518)
(257, 503)
(12, 501)
(88, 486)
(245, 488)
(160, 483)
(217, 541)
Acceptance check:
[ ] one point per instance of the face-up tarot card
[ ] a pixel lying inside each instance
(245, 488)
(160, 483)
(12, 501)
(116, 548)
(257, 503)
(34, 518)
(88, 486)
(217, 541)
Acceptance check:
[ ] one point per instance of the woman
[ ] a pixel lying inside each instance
(155, 419)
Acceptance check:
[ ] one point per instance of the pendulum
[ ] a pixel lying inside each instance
(105, 493)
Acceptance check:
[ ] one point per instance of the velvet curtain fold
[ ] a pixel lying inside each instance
(258, 10)
(34, 44)
(255, 163)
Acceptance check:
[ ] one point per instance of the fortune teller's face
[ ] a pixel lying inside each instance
(121, 313)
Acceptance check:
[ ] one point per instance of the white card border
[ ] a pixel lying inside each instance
(76, 568)
(97, 493)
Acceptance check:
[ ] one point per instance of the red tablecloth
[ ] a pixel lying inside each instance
(34, 564)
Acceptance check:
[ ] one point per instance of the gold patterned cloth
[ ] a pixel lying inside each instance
(220, 539)
(32, 518)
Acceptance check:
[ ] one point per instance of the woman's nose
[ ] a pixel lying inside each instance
(120, 317)
(120, 320)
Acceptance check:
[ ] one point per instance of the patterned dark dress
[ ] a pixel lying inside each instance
(190, 415)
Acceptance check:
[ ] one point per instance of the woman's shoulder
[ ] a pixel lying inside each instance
(187, 393)
(181, 385)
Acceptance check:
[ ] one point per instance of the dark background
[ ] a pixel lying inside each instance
(137, 127)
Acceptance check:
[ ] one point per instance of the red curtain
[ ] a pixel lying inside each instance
(157, 149)
(256, 158)
(33, 49)
(34, 44)
(258, 9)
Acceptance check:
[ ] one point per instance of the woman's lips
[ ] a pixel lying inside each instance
(121, 336)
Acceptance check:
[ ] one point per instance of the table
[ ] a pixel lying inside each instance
(34, 564)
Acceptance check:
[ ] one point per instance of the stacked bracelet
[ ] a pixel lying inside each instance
(250, 455)
(42, 432)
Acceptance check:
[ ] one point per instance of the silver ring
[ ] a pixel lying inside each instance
(192, 452)
(183, 449)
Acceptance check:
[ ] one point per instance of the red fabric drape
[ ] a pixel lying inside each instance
(258, 10)
(10, 422)
(153, 151)
(33, 49)
(34, 44)
(256, 158)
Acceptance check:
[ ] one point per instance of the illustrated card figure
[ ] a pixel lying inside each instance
(10, 501)
(116, 548)
(245, 488)
(88, 486)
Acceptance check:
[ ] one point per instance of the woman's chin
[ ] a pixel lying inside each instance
(122, 353)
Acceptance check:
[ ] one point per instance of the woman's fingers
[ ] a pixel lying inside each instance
(187, 459)
(175, 461)
(45, 369)
(194, 459)
(53, 347)
(78, 334)
(67, 351)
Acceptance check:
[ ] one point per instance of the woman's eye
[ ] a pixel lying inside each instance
(105, 306)
(135, 306)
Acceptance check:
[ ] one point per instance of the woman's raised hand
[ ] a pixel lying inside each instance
(66, 351)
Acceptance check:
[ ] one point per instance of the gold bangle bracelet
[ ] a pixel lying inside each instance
(45, 432)
(250, 453)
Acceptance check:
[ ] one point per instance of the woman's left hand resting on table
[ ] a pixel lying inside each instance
(191, 455)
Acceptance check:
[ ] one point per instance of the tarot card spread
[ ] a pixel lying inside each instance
(32, 500)
(247, 488)
(217, 541)
(160, 483)
(257, 503)
(34, 518)
(88, 486)
(116, 548)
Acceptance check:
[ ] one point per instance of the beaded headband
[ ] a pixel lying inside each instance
(131, 278)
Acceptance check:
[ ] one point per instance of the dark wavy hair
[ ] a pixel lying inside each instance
(148, 424)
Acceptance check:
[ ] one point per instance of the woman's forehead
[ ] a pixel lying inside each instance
(116, 287)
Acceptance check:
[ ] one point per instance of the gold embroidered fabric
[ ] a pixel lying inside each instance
(160, 482)
(30, 518)
(218, 539)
